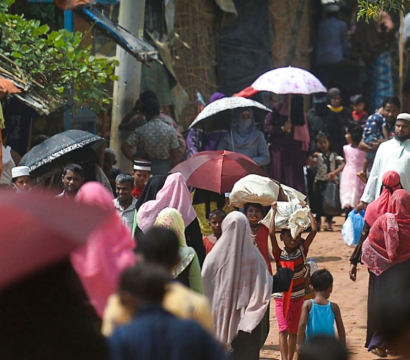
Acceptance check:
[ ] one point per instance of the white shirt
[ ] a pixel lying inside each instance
(8, 164)
(127, 215)
(391, 155)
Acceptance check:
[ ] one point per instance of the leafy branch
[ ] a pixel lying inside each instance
(52, 64)
(372, 9)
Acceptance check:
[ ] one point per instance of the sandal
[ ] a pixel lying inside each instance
(327, 228)
(379, 352)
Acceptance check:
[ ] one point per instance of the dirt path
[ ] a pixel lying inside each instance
(331, 253)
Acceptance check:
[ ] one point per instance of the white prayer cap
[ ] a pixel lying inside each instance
(142, 165)
(20, 171)
(109, 151)
(403, 116)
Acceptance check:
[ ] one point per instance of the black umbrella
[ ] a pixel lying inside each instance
(49, 157)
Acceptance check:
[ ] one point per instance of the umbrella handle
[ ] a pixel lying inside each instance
(290, 111)
(233, 144)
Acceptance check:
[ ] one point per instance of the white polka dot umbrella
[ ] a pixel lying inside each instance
(288, 80)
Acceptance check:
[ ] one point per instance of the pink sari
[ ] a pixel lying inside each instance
(388, 242)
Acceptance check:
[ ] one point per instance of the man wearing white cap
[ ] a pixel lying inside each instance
(20, 178)
(141, 173)
(394, 155)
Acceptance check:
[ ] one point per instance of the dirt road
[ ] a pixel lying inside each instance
(331, 253)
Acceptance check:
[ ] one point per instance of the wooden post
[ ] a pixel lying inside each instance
(401, 56)
(127, 88)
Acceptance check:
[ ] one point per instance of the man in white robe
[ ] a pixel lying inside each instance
(394, 155)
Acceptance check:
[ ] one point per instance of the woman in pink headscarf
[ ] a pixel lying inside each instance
(391, 183)
(385, 253)
(174, 194)
(108, 250)
(376, 210)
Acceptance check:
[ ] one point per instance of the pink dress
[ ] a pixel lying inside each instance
(351, 187)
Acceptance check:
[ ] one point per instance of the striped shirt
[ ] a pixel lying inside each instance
(298, 260)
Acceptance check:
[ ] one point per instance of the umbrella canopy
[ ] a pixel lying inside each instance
(217, 171)
(55, 151)
(218, 114)
(42, 231)
(285, 80)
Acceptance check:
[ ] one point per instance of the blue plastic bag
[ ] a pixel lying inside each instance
(353, 227)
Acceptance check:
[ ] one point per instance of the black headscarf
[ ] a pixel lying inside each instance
(297, 110)
(154, 185)
(206, 197)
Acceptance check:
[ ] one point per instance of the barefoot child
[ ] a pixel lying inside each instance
(351, 187)
(319, 314)
(215, 221)
(328, 166)
(293, 255)
(260, 233)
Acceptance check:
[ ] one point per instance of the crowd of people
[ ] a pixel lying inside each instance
(179, 271)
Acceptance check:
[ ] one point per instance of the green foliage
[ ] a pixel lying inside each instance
(54, 62)
(5, 4)
(372, 9)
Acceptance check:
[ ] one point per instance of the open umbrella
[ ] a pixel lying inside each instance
(48, 157)
(285, 80)
(42, 231)
(217, 115)
(217, 171)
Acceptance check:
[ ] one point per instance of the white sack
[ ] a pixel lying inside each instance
(291, 216)
(254, 189)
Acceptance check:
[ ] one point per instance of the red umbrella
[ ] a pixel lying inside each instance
(38, 230)
(217, 171)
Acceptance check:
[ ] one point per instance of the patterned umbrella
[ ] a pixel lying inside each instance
(56, 151)
(218, 114)
(285, 80)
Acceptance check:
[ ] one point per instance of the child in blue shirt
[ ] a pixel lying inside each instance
(319, 314)
(376, 129)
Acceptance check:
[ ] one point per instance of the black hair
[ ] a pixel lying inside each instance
(75, 168)
(160, 246)
(216, 213)
(148, 95)
(39, 139)
(151, 107)
(356, 133)
(145, 281)
(333, 92)
(357, 99)
(322, 134)
(125, 178)
(323, 347)
(51, 305)
(392, 100)
(258, 206)
(321, 280)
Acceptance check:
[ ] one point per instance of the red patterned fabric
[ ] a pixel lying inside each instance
(391, 182)
(388, 242)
